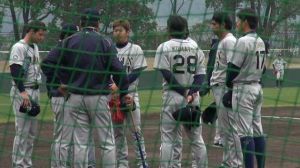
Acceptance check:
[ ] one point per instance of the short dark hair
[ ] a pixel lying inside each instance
(223, 18)
(177, 26)
(123, 23)
(35, 26)
(249, 15)
(90, 17)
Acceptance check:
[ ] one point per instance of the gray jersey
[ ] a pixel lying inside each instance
(133, 58)
(223, 56)
(181, 57)
(249, 55)
(22, 54)
(279, 64)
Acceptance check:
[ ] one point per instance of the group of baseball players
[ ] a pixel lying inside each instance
(85, 70)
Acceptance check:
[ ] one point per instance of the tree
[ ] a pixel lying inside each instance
(139, 15)
(271, 12)
(58, 12)
(30, 10)
(202, 34)
(175, 6)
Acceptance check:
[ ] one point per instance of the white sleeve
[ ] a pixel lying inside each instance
(229, 49)
(161, 60)
(239, 53)
(139, 59)
(200, 64)
(16, 55)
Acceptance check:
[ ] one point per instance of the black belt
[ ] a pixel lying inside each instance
(34, 87)
(218, 84)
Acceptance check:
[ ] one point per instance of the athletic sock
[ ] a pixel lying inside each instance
(248, 148)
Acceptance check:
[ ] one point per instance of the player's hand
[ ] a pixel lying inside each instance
(63, 89)
(127, 104)
(191, 97)
(113, 87)
(127, 99)
(26, 99)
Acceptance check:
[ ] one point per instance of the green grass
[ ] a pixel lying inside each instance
(151, 102)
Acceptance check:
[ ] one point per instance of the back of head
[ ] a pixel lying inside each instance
(35, 26)
(177, 26)
(67, 30)
(250, 16)
(90, 18)
(223, 18)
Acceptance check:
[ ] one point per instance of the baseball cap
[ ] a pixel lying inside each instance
(90, 15)
(68, 29)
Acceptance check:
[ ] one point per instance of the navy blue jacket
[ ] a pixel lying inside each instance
(87, 60)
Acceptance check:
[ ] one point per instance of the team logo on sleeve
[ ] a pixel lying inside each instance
(15, 58)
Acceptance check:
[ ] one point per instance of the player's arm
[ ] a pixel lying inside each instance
(173, 83)
(273, 65)
(199, 77)
(211, 61)
(161, 63)
(234, 65)
(114, 65)
(16, 65)
(50, 68)
(139, 64)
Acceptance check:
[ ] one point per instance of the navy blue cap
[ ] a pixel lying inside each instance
(67, 30)
(90, 14)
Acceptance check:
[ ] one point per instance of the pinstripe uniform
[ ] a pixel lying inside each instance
(232, 154)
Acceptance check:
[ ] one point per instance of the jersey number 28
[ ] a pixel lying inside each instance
(191, 62)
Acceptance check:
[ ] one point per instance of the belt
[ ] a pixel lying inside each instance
(247, 83)
(34, 87)
(218, 84)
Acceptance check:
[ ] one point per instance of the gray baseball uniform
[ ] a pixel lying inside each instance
(184, 59)
(232, 153)
(247, 94)
(133, 58)
(26, 127)
(62, 147)
(279, 65)
(88, 84)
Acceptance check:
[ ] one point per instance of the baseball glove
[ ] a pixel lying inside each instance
(116, 114)
(33, 110)
(209, 115)
(189, 115)
(227, 99)
(126, 108)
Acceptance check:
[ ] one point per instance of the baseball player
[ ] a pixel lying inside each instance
(88, 60)
(221, 25)
(62, 152)
(132, 57)
(181, 63)
(245, 94)
(279, 65)
(26, 75)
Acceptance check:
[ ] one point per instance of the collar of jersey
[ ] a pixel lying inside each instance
(179, 40)
(250, 32)
(23, 42)
(89, 28)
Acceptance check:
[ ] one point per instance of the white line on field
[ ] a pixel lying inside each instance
(278, 117)
(274, 117)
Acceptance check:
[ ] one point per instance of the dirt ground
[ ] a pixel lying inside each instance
(283, 142)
